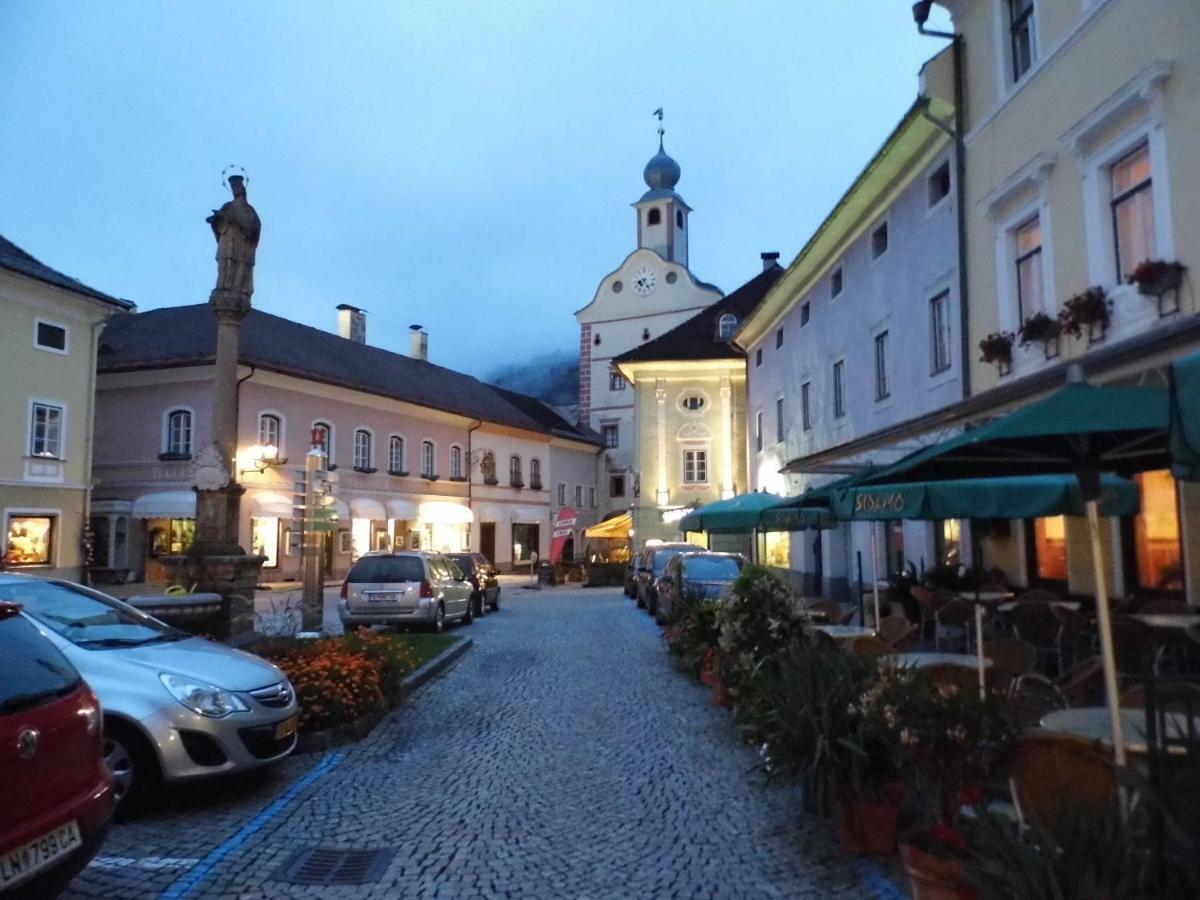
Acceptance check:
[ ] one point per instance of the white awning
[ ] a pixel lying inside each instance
(401, 509)
(165, 505)
(271, 505)
(342, 510)
(491, 513)
(363, 508)
(536, 514)
(443, 512)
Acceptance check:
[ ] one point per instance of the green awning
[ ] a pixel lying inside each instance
(796, 518)
(1077, 428)
(733, 516)
(1185, 418)
(1027, 497)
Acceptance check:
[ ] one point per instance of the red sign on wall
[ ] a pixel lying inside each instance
(564, 529)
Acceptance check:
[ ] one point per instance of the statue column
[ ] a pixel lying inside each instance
(662, 493)
(726, 438)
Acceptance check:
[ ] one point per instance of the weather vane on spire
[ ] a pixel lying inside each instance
(658, 112)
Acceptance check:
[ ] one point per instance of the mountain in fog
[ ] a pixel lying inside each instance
(552, 377)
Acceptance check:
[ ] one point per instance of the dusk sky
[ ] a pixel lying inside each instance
(466, 166)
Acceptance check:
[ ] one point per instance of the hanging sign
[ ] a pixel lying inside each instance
(564, 529)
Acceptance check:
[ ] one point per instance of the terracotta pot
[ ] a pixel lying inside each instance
(933, 877)
(866, 827)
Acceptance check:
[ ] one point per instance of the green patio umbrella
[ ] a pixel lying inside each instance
(1021, 497)
(1080, 429)
(1185, 418)
(736, 515)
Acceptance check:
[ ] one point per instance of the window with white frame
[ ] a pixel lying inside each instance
(362, 449)
(561, 494)
(270, 431)
(1132, 210)
(46, 431)
(939, 333)
(428, 469)
(616, 381)
(322, 439)
(726, 326)
(456, 461)
(1022, 47)
(591, 497)
(839, 389)
(695, 466)
(396, 454)
(514, 471)
(178, 433)
(779, 424)
(535, 473)
(50, 336)
(612, 434)
(1027, 243)
(882, 388)
(579, 495)
(806, 406)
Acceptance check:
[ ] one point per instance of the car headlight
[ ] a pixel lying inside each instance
(201, 697)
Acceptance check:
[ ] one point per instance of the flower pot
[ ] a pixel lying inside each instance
(1168, 278)
(933, 877)
(866, 827)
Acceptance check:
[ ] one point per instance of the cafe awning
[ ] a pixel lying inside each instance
(1185, 418)
(1023, 497)
(401, 509)
(616, 528)
(165, 505)
(271, 505)
(793, 517)
(733, 516)
(444, 512)
(366, 508)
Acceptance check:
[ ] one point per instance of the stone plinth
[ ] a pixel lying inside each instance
(234, 576)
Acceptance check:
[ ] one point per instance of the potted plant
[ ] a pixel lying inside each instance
(997, 348)
(1043, 328)
(1089, 311)
(1155, 277)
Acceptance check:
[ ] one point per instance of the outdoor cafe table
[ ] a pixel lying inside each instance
(921, 659)
(1164, 620)
(1094, 722)
(1065, 604)
(845, 632)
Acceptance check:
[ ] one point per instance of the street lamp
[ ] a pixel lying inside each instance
(263, 457)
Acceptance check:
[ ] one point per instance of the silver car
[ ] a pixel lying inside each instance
(176, 707)
(708, 575)
(405, 588)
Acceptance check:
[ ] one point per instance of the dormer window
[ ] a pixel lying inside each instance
(726, 326)
(654, 216)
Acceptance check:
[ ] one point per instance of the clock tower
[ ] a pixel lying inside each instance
(648, 294)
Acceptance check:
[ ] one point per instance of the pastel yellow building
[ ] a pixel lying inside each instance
(49, 326)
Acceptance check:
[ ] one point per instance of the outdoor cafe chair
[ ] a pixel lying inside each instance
(1136, 647)
(1011, 658)
(897, 631)
(871, 646)
(1036, 623)
(953, 620)
(925, 602)
(1179, 697)
(1077, 636)
(1052, 772)
(1031, 697)
(1166, 608)
(953, 678)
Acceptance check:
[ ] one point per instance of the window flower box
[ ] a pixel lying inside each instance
(997, 348)
(1155, 277)
(1042, 328)
(398, 473)
(1090, 312)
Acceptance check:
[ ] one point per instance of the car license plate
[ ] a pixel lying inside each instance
(40, 853)
(383, 596)
(286, 728)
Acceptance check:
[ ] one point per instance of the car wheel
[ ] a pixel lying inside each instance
(132, 763)
(469, 612)
(641, 604)
(495, 605)
(439, 619)
(480, 604)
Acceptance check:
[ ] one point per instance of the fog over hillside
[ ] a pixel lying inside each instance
(551, 377)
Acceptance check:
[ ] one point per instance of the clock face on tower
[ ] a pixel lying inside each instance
(644, 282)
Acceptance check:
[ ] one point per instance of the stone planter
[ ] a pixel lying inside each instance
(933, 877)
(866, 827)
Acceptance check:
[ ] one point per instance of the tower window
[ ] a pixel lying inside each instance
(654, 217)
(679, 217)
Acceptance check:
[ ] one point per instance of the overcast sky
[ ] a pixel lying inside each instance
(466, 166)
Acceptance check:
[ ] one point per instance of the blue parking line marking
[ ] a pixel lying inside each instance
(188, 882)
(874, 879)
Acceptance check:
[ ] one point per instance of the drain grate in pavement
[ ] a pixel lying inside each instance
(324, 865)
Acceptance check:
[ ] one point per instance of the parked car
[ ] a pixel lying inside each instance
(57, 794)
(708, 575)
(631, 576)
(485, 587)
(653, 560)
(176, 707)
(405, 588)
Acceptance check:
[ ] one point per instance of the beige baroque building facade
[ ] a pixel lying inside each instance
(49, 326)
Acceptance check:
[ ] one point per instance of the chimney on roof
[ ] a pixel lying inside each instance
(352, 323)
(418, 343)
(769, 259)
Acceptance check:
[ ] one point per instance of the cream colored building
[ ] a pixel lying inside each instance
(49, 324)
(1082, 157)
(689, 414)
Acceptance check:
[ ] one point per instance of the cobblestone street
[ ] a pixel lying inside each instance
(562, 757)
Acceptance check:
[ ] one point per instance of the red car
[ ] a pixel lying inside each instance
(57, 796)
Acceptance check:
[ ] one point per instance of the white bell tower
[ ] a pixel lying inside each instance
(662, 215)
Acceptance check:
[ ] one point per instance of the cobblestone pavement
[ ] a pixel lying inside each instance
(562, 758)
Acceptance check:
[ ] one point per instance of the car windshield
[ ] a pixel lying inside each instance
(464, 561)
(711, 568)
(34, 671)
(386, 570)
(663, 556)
(86, 619)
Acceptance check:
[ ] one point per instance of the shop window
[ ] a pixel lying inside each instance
(264, 538)
(777, 549)
(524, 541)
(1159, 550)
(1050, 548)
(30, 540)
(947, 542)
(171, 536)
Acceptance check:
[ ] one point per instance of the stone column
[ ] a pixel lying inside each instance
(662, 493)
(726, 438)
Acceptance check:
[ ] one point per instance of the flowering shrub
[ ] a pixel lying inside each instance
(755, 623)
(395, 658)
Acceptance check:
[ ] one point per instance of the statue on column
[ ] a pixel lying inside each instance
(237, 228)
